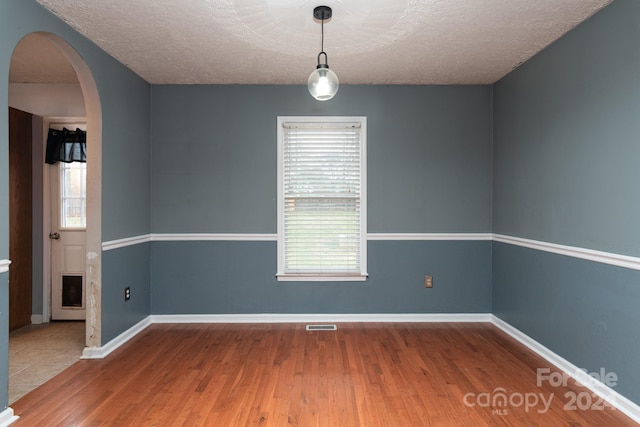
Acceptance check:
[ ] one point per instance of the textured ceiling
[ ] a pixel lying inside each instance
(277, 41)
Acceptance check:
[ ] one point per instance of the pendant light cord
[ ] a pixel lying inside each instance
(322, 42)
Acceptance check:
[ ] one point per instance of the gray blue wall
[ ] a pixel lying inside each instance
(214, 171)
(239, 277)
(566, 170)
(214, 155)
(566, 128)
(584, 311)
(126, 166)
(125, 267)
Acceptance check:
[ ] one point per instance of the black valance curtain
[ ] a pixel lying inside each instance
(66, 146)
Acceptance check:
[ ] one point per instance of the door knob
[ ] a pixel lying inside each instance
(54, 236)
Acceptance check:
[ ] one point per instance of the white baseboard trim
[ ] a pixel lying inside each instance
(36, 319)
(305, 318)
(7, 417)
(105, 350)
(101, 352)
(608, 394)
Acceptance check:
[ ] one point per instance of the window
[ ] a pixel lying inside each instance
(73, 196)
(322, 198)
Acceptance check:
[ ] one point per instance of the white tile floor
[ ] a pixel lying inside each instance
(37, 353)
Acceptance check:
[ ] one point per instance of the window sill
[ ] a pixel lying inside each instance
(289, 277)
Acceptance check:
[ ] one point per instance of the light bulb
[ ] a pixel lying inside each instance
(323, 83)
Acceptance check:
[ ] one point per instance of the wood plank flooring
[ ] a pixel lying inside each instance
(374, 374)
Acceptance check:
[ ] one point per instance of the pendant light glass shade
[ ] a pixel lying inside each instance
(323, 83)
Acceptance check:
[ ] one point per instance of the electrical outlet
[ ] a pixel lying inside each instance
(127, 293)
(428, 281)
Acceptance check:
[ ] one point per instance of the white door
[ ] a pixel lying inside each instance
(68, 239)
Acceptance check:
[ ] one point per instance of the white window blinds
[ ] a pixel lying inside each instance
(322, 227)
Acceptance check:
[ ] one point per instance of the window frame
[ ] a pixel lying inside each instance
(281, 275)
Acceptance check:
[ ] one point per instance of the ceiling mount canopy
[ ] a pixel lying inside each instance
(322, 13)
(323, 83)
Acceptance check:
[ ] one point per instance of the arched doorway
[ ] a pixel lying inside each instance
(93, 187)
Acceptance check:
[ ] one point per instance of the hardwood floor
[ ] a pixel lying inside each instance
(282, 375)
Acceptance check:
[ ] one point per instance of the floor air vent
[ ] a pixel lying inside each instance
(321, 327)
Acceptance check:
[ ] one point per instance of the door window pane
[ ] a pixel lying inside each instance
(73, 197)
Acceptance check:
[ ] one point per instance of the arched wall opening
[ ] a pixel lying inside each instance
(93, 187)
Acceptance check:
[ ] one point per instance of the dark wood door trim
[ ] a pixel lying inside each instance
(20, 218)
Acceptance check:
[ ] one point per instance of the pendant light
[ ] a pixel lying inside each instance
(323, 83)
